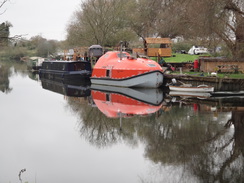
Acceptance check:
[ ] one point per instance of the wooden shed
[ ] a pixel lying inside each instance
(156, 47)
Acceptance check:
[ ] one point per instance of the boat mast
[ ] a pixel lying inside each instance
(121, 45)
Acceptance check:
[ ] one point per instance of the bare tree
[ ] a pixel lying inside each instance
(5, 28)
(207, 19)
(143, 16)
(99, 22)
(211, 21)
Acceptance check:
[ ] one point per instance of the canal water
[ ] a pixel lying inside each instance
(58, 132)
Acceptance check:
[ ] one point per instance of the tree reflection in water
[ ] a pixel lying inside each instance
(4, 79)
(207, 149)
(99, 130)
(7, 69)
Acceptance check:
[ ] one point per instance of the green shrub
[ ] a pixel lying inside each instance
(13, 53)
(176, 47)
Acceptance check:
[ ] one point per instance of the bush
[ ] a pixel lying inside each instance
(13, 53)
(177, 47)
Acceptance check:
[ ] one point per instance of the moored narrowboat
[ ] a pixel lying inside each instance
(65, 70)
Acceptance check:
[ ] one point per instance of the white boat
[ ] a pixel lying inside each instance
(185, 94)
(228, 93)
(35, 63)
(189, 88)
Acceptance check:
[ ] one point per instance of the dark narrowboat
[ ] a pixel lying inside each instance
(66, 70)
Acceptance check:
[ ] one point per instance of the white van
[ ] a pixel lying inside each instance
(196, 50)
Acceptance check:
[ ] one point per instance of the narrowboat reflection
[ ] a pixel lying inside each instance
(72, 90)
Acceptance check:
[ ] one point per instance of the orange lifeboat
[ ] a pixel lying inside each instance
(118, 101)
(120, 69)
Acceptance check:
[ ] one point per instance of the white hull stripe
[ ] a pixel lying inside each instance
(147, 80)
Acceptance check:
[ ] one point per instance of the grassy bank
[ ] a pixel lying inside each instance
(177, 57)
(14, 53)
(181, 58)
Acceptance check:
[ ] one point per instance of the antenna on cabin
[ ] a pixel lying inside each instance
(121, 45)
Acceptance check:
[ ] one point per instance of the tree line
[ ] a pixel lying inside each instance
(107, 22)
(209, 22)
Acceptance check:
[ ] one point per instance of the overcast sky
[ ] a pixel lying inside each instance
(47, 18)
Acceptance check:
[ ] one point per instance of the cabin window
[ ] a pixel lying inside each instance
(49, 66)
(79, 66)
(122, 56)
(107, 97)
(46, 65)
(63, 68)
(164, 45)
(151, 65)
(58, 66)
(108, 73)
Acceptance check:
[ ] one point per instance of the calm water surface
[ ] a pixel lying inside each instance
(65, 133)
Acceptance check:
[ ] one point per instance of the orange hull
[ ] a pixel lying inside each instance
(110, 67)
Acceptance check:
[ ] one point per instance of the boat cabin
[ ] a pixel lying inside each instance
(67, 71)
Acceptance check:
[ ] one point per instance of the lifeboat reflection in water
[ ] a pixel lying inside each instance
(117, 102)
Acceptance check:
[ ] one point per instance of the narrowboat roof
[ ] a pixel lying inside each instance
(64, 61)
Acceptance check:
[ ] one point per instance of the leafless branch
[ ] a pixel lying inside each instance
(231, 6)
(1, 5)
